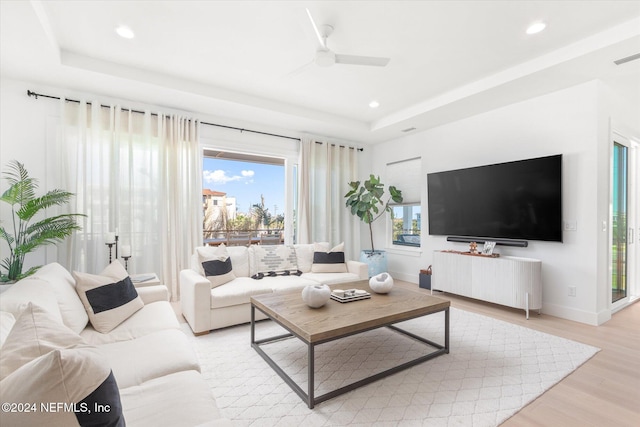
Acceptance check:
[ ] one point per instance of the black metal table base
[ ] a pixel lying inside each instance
(309, 396)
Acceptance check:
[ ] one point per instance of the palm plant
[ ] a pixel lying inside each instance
(261, 214)
(278, 221)
(25, 236)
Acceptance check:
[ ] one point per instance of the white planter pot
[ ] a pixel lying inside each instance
(381, 283)
(316, 296)
(376, 261)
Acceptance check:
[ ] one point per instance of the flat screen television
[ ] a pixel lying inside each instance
(514, 200)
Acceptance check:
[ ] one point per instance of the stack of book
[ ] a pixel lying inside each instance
(349, 295)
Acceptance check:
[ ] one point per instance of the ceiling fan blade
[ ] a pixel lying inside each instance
(301, 69)
(361, 60)
(321, 40)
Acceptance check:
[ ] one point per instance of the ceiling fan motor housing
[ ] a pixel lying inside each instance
(325, 58)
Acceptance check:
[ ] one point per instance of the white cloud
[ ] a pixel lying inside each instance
(219, 176)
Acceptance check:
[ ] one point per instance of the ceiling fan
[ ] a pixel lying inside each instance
(325, 57)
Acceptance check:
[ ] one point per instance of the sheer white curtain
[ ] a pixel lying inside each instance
(135, 174)
(325, 172)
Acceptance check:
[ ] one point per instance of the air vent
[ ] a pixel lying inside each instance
(627, 59)
(408, 129)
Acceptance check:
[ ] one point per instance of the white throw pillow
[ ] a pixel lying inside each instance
(62, 282)
(29, 289)
(35, 333)
(63, 388)
(331, 261)
(304, 255)
(240, 259)
(274, 259)
(216, 265)
(109, 297)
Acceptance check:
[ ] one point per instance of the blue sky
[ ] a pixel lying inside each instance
(246, 182)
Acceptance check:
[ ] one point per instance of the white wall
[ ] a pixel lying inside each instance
(25, 136)
(570, 122)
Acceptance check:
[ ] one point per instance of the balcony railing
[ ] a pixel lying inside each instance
(243, 237)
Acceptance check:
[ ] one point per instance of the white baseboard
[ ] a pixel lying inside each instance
(411, 278)
(588, 317)
(604, 316)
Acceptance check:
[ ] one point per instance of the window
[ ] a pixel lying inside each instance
(406, 219)
(242, 193)
(406, 225)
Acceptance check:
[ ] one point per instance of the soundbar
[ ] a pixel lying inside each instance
(503, 242)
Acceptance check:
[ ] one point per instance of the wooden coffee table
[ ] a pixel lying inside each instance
(336, 320)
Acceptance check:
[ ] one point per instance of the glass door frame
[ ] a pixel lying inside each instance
(632, 256)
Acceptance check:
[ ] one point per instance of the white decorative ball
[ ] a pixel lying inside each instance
(381, 283)
(316, 296)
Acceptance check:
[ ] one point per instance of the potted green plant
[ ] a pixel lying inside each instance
(365, 200)
(24, 236)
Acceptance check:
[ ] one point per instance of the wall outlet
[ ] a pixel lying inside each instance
(572, 291)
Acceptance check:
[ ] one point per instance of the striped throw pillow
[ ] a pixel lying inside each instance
(216, 265)
(109, 297)
(331, 261)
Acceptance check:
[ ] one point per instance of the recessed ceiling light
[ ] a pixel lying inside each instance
(125, 32)
(536, 27)
(374, 104)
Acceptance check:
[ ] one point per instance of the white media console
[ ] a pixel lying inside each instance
(511, 281)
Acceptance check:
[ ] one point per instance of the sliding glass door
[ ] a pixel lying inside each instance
(620, 224)
(625, 264)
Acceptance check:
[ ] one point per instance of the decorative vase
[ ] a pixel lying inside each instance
(376, 261)
(381, 284)
(316, 295)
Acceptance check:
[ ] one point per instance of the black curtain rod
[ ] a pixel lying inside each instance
(36, 95)
(341, 146)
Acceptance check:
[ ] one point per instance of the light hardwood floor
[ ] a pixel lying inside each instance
(603, 392)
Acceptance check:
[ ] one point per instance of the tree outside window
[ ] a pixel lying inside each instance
(406, 225)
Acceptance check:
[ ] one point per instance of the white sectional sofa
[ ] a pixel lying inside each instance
(207, 306)
(156, 371)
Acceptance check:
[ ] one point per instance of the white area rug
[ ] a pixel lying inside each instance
(493, 370)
